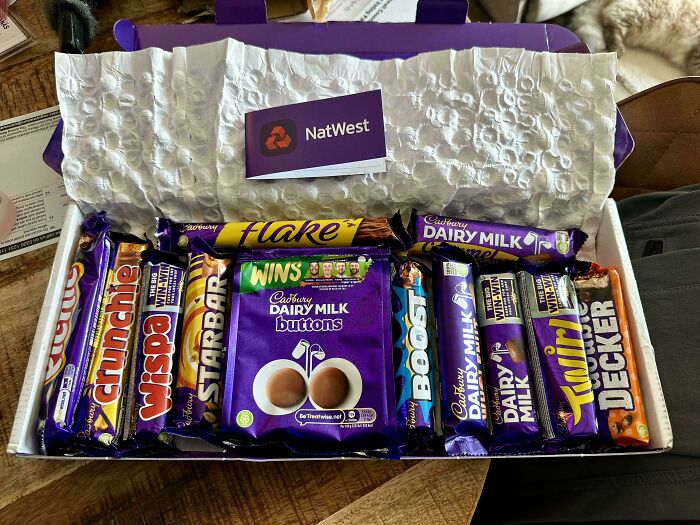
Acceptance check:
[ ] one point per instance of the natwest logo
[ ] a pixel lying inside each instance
(278, 138)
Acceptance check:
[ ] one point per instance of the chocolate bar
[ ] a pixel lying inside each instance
(100, 413)
(371, 231)
(198, 390)
(75, 331)
(154, 360)
(557, 357)
(309, 361)
(466, 424)
(512, 401)
(414, 357)
(619, 405)
(486, 240)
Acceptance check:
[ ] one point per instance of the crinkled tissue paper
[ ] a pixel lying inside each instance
(505, 135)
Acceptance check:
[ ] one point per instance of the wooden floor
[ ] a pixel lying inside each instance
(181, 492)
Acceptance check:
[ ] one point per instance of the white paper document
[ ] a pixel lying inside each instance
(37, 191)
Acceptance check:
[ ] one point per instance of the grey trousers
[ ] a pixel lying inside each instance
(663, 237)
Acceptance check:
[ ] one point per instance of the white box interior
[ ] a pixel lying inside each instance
(611, 251)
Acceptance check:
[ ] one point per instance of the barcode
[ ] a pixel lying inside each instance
(453, 269)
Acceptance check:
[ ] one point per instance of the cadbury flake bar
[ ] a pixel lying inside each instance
(620, 408)
(465, 418)
(153, 364)
(504, 341)
(486, 240)
(557, 358)
(75, 330)
(414, 357)
(198, 390)
(100, 413)
(371, 231)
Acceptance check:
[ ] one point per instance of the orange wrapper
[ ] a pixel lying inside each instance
(611, 364)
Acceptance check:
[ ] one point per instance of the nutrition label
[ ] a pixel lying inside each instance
(33, 198)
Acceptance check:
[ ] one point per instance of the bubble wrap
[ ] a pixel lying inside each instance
(493, 134)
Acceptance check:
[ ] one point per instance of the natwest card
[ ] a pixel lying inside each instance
(322, 138)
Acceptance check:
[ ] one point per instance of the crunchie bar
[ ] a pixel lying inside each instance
(619, 405)
(100, 412)
(72, 344)
(154, 362)
(466, 424)
(199, 385)
(414, 357)
(486, 240)
(371, 231)
(510, 393)
(557, 358)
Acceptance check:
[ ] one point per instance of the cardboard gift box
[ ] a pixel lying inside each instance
(375, 41)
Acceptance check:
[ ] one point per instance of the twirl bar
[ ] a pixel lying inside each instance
(486, 240)
(558, 358)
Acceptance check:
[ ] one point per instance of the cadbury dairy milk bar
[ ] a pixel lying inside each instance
(100, 413)
(153, 364)
(504, 341)
(465, 418)
(73, 339)
(557, 358)
(486, 240)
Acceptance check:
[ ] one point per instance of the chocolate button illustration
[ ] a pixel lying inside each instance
(286, 388)
(329, 387)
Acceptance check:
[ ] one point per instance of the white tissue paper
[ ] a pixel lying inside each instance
(504, 135)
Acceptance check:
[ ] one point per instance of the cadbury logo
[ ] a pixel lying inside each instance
(119, 317)
(157, 376)
(71, 294)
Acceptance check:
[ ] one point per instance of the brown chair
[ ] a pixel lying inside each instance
(665, 123)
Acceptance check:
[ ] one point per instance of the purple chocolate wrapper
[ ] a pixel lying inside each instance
(515, 426)
(563, 388)
(466, 423)
(308, 360)
(199, 385)
(154, 362)
(413, 333)
(486, 240)
(75, 330)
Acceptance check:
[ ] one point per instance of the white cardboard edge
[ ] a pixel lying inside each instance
(611, 249)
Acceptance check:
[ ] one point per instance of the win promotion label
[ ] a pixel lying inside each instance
(322, 138)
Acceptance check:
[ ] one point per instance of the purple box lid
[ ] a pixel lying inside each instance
(359, 39)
